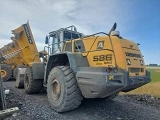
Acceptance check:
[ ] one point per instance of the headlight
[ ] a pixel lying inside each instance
(128, 61)
(109, 70)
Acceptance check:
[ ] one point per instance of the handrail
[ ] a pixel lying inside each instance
(4, 112)
(62, 29)
(91, 45)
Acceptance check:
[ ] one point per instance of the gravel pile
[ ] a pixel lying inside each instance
(124, 107)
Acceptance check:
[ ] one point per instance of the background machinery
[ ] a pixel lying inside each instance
(94, 66)
(19, 53)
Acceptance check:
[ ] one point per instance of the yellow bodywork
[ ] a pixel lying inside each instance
(112, 51)
(22, 50)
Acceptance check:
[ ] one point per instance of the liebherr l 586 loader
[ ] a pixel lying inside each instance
(94, 66)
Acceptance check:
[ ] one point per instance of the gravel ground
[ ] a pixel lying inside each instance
(124, 107)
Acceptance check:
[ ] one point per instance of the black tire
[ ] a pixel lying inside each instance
(6, 72)
(31, 85)
(15, 71)
(68, 96)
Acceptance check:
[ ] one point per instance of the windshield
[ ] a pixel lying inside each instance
(68, 35)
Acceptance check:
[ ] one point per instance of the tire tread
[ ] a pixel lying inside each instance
(34, 85)
(73, 96)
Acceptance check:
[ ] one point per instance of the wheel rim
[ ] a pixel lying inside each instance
(56, 89)
(27, 81)
(3, 73)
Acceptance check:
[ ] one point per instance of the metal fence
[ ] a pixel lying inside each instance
(3, 108)
(2, 95)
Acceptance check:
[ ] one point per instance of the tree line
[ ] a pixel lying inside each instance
(152, 65)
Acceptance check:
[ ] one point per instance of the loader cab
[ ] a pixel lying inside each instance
(57, 39)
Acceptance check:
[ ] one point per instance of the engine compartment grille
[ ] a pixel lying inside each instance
(135, 70)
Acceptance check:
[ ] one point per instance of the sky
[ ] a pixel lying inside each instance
(137, 20)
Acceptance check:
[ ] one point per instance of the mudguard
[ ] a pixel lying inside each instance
(65, 59)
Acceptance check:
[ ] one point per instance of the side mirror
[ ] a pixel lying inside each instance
(113, 28)
(46, 40)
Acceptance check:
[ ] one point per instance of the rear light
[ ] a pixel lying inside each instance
(141, 62)
(142, 70)
(109, 70)
(128, 61)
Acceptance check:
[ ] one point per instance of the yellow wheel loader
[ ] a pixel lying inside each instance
(19, 53)
(94, 66)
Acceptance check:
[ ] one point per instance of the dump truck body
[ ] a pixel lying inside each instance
(22, 51)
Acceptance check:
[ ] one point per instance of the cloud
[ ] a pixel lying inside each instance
(4, 42)
(87, 15)
(46, 16)
(40, 46)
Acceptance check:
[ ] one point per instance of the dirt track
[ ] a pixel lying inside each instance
(128, 107)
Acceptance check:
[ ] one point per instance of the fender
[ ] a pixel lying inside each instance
(64, 59)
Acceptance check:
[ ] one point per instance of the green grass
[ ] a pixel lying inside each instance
(150, 89)
(155, 75)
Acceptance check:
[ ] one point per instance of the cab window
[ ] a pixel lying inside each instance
(68, 46)
(79, 45)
